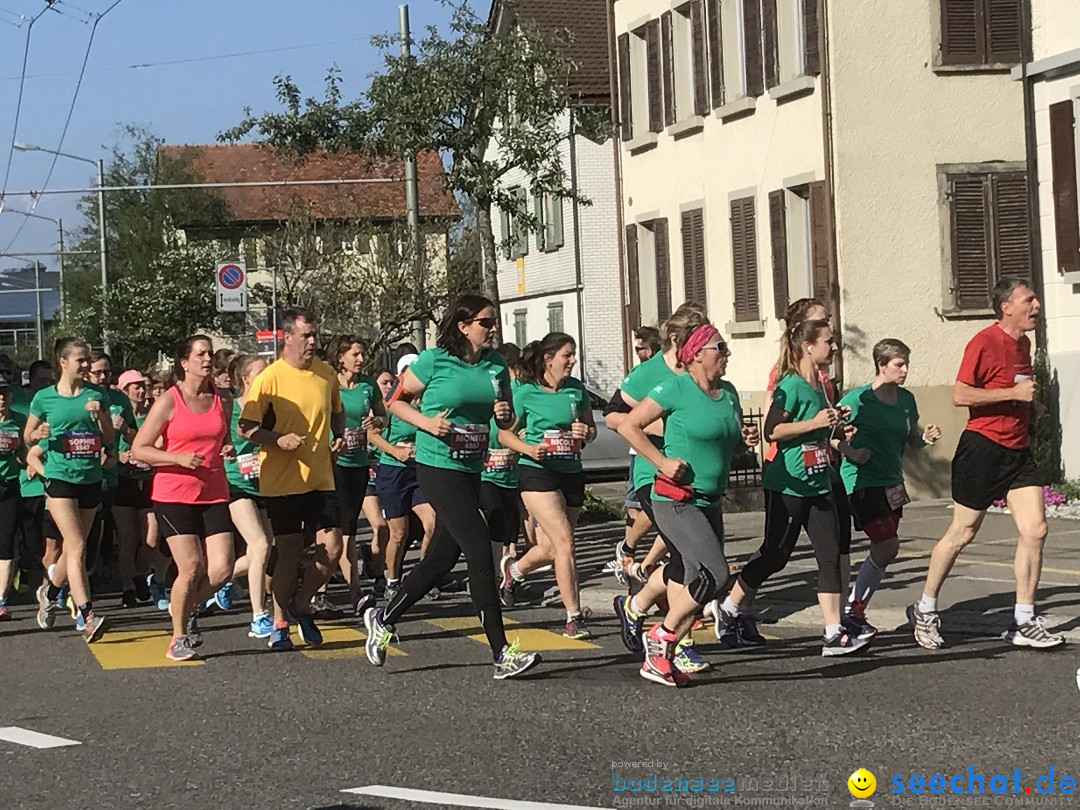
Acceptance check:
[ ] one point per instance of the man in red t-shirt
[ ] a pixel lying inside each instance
(992, 461)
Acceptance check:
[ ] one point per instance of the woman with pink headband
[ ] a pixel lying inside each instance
(702, 427)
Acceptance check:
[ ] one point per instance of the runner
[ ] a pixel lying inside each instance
(136, 526)
(499, 498)
(462, 382)
(993, 460)
(293, 410)
(38, 551)
(11, 458)
(886, 417)
(554, 413)
(189, 490)
(72, 416)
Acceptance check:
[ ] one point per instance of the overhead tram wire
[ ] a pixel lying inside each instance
(18, 103)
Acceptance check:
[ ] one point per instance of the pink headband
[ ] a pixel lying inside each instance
(697, 341)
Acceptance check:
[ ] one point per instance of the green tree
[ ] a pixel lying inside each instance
(489, 102)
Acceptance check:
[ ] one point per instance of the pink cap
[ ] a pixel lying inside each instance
(129, 377)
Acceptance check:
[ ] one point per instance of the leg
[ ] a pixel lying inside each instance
(219, 561)
(965, 525)
(328, 549)
(380, 532)
(1029, 512)
(551, 512)
(784, 520)
(396, 529)
(290, 550)
(128, 539)
(824, 532)
(74, 526)
(255, 529)
(189, 556)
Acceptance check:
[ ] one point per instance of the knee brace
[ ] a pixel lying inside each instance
(884, 528)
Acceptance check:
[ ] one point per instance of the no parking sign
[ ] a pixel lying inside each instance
(231, 282)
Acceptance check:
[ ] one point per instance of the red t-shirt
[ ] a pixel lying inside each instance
(992, 360)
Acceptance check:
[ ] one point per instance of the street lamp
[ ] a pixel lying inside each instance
(37, 284)
(100, 165)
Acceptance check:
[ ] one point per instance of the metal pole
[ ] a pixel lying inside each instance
(273, 308)
(60, 262)
(101, 249)
(412, 197)
(39, 323)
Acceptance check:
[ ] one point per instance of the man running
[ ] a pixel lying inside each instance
(992, 461)
(292, 410)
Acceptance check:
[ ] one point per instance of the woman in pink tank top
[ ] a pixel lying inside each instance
(185, 438)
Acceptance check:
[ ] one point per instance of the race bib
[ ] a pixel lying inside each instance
(468, 441)
(81, 444)
(500, 459)
(371, 475)
(248, 465)
(355, 439)
(9, 443)
(815, 457)
(897, 496)
(562, 444)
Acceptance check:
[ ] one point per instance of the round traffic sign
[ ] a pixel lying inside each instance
(231, 276)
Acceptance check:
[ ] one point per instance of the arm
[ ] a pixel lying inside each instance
(145, 448)
(509, 438)
(103, 418)
(35, 430)
(779, 427)
(410, 387)
(918, 437)
(964, 395)
(35, 458)
(584, 428)
(632, 429)
(376, 421)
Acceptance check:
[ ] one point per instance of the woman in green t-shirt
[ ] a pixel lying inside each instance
(12, 455)
(73, 417)
(554, 416)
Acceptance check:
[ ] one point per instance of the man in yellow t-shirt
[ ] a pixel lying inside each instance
(294, 412)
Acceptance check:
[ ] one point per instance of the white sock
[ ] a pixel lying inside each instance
(866, 581)
(515, 574)
(1022, 614)
(730, 606)
(928, 604)
(832, 630)
(51, 571)
(573, 614)
(634, 608)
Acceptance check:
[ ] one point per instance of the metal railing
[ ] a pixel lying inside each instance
(746, 464)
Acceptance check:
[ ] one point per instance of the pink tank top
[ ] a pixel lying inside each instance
(202, 433)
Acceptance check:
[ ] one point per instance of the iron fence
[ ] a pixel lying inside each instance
(746, 464)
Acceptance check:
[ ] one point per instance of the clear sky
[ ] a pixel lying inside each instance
(190, 102)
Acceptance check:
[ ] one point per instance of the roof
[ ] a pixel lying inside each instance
(250, 162)
(587, 21)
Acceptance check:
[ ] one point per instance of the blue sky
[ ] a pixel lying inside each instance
(183, 103)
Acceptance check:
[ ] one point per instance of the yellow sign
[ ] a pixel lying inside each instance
(520, 263)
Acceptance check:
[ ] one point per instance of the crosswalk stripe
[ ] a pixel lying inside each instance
(533, 639)
(135, 649)
(340, 641)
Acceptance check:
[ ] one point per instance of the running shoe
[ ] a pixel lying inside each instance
(207, 606)
(279, 639)
(512, 662)
(80, 623)
(194, 634)
(618, 565)
(94, 627)
(4, 615)
(927, 627)
(158, 595)
(1032, 633)
(748, 632)
(687, 658)
(46, 614)
(309, 631)
(128, 599)
(261, 626)
(321, 605)
(224, 596)
(575, 628)
(363, 602)
(392, 588)
(843, 643)
(659, 652)
(378, 587)
(180, 649)
(725, 626)
(142, 589)
(65, 602)
(854, 621)
(630, 625)
(508, 586)
(379, 636)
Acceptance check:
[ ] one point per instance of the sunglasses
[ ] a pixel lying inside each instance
(720, 346)
(487, 323)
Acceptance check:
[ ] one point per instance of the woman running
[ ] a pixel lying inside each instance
(136, 527)
(364, 413)
(246, 509)
(702, 426)
(887, 420)
(553, 410)
(12, 454)
(73, 416)
(499, 497)
(462, 383)
(189, 490)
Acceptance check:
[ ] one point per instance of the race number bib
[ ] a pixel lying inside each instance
(9, 443)
(815, 457)
(355, 439)
(81, 444)
(562, 444)
(468, 441)
(500, 459)
(897, 496)
(248, 465)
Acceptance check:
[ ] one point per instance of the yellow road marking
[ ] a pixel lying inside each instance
(338, 642)
(1045, 568)
(531, 638)
(135, 649)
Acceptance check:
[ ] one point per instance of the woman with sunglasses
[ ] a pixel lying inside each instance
(461, 382)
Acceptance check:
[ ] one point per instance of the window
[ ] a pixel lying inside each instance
(555, 317)
(740, 41)
(686, 85)
(658, 229)
(744, 259)
(648, 257)
(357, 246)
(549, 217)
(640, 81)
(790, 39)
(981, 32)
(521, 330)
(515, 232)
(1063, 176)
(989, 231)
(693, 245)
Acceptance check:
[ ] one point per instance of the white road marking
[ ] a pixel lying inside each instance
(33, 739)
(458, 799)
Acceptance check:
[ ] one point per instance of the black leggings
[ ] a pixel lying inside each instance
(501, 511)
(785, 518)
(9, 518)
(459, 526)
(351, 485)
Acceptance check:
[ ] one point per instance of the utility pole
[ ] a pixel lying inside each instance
(412, 198)
(39, 322)
(101, 250)
(60, 263)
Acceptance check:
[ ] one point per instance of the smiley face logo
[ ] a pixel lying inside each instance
(862, 783)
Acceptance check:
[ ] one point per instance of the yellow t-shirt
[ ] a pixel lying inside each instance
(301, 401)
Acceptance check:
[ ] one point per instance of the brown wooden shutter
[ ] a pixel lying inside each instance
(626, 104)
(1004, 31)
(1012, 229)
(693, 242)
(963, 28)
(701, 76)
(811, 51)
(654, 57)
(769, 36)
(755, 79)
(972, 275)
(820, 244)
(633, 277)
(744, 259)
(778, 237)
(668, 47)
(1063, 170)
(663, 268)
(716, 53)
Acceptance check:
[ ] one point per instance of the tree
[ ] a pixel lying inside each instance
(489, 102)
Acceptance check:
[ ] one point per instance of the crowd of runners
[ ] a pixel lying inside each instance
(227, 478)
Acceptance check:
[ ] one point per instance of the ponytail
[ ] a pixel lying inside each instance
(790, 357)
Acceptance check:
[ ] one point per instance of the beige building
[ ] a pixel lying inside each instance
(869, 153)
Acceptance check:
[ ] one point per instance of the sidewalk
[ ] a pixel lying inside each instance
(977, 598)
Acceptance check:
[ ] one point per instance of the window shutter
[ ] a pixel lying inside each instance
(1004, 32)
(744, 259)
(811, 52)
(1012, 232)
(654, 56)
(663, 268)
(668, 47)
(769, 35)
(633, 278)
(820, 243)
(778, 237)
(626, 105)
(693, 239)
(716, 53)
(1063, 170)
(541, 229)
(962, 32)
(504, 223)
(755, 80)
(520, 228)
(701, 78)
(556, 236)
(972, 273)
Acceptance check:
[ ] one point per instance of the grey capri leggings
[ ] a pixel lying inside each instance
(698, 534)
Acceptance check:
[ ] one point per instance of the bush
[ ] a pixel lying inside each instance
(1070, 489)
(597, 510)
(1041, 429)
